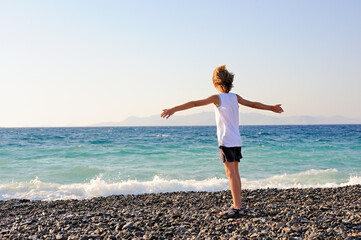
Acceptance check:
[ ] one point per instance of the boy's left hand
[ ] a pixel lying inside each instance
(277, 108)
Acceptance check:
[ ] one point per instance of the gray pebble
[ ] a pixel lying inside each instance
(128, 225)
(59, 237)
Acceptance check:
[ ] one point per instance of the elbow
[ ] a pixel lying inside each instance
(253, 105)
(193, 104)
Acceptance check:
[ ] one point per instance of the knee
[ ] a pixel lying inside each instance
(230, 173)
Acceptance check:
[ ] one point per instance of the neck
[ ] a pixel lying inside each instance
(220, 90)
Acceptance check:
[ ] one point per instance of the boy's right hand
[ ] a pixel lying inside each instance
(167, 113)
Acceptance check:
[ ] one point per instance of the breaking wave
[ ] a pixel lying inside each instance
(38, 190)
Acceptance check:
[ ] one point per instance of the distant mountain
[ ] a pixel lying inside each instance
(208, 118)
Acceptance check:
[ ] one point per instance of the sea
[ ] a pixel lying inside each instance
(86, 162)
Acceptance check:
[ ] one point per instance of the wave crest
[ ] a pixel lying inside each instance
(38, 190)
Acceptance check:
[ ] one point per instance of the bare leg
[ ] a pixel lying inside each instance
(238, 178)
(234, 182)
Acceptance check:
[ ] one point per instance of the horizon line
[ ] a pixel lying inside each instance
(241, 125)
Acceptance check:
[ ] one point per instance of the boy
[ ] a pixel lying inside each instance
(227, 119)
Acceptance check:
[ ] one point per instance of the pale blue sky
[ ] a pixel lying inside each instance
(84, 62)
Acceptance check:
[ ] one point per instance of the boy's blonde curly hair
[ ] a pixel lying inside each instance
(223, 78)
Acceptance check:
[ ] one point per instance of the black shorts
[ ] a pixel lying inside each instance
(230, 154)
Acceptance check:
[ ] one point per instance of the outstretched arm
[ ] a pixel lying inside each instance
(170, 111)
(275, 108)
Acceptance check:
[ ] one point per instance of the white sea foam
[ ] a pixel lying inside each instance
(36, 189)
(310, 178)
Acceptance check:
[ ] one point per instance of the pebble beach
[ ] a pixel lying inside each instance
(310, 213)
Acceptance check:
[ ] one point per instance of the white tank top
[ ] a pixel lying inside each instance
(227, 119)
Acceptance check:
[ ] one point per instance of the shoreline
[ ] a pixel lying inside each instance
(295, 213)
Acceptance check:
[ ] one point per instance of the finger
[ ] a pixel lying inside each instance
(164, 115)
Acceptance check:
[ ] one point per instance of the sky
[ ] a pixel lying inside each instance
(77, 63)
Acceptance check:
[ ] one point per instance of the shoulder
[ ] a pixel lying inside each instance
(240, 100)
(215, 99)
(238, 97)
(234, 95)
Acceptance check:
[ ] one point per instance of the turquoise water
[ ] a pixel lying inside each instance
(63, 163)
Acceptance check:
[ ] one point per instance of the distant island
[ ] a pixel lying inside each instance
(208, 119)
